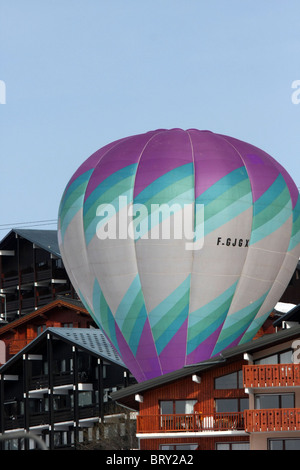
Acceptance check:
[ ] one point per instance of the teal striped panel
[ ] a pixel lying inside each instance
(104, 316)
(167, 318)
(223, 184)
(118, 184)
(254, 327)
(225, 200)
(207, 319)
(237, 323)
(158, 201)
(295, 235)
(149, 218)
(72, 200)
(131, 314)
(157, 191)
(271, 210)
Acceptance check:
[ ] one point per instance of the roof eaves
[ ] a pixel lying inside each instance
(71, 335)
(42, 310)
(61, 333)
(236, 351)
(28, 234)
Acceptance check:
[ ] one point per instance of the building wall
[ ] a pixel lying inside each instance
(186, 389)
(259, 441)
(203, 443)
(204, 393)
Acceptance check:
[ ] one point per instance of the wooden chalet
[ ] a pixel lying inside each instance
(248, 397)
(63, 312)
(58, 389)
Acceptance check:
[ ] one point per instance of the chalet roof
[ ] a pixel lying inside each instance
(61, 300)
(88, 339)
(126, 396)
(46, 239)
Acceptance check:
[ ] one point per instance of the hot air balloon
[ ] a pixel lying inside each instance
(179, 243)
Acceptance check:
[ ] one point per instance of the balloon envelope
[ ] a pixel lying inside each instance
(179, 243)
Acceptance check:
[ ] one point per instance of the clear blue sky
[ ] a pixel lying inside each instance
(82, 73)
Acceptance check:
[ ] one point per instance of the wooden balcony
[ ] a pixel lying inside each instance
(271, 375)
(190, 422)
(279, 419)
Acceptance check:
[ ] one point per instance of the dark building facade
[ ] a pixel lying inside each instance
(58, 387)
(31, 272)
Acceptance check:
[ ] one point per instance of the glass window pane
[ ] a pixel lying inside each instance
(223, 446)
(226, 405)
(85, 398)
(226, 382)
(180, 407)
(244, 404)
(287, 400)
(266, 401)
(240, 446)
(292, 444)
(241, 385)
(184, 406)
(286, 357)
(268, 360)
(275, 444)
(166, 407)
(186, 446)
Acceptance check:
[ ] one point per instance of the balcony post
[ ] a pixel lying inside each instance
(2, 423)
(26, 396)
(76, 395)
(50, 391)
(100, 389)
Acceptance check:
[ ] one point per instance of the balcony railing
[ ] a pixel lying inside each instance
(190, 422)
(279, 419)
(271, 375)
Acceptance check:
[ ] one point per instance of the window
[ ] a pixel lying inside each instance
(171, 407)
(232, 446)
(40, 328)
(229, 381)
(85, 398)
(231, 405)
(284, 444)
(284, 357)
(178, 447)
(176, 414)
(267, 401)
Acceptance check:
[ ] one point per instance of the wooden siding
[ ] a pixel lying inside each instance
(16, 335)
(185, 389)
(205, 395)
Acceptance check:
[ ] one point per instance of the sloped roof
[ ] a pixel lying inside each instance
(61, 300)
(90, 339)
(46, 239)
(126, 396)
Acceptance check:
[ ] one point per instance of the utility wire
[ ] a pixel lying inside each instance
(36, 223)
